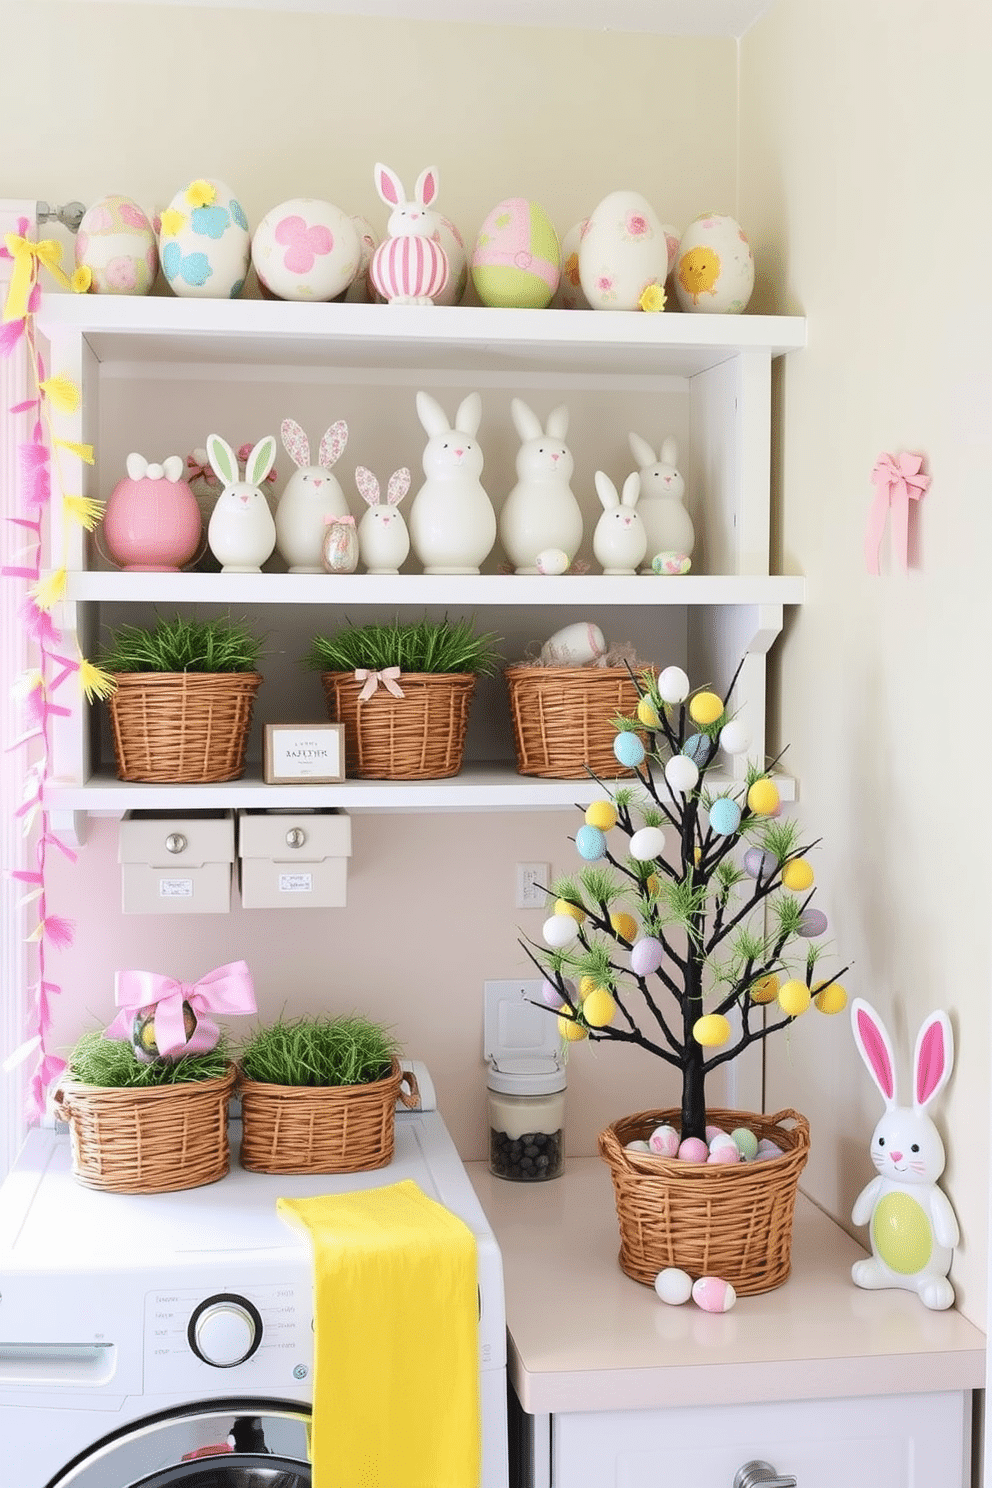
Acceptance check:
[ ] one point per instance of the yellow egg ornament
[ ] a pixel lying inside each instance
(570, 1031)
(794, 998)
(601, 814)
(587, 984)
(599, 1008)
(625, 925)
(763, 797)
(712, 1030)
(797, 875)
(648, 713)
(705, 708)
(563, 907)
(765, 989)
(831, 998)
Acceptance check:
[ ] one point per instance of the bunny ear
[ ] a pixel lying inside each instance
(425, 190)
(222, 459)
(389, 186)
(260, 460)
(295, 442)
(431, 414)
(399, 484)
(631, 488)
(670, 451)
(932, 1060)
(469, 415)
(367, 485)
(557, 425)
(641, 450)
(525, 420)
(874, 1048)
(606, 490)
(333, 443)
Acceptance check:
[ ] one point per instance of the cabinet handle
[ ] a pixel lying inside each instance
(295, 837)
(758, 1474)
(175, 842)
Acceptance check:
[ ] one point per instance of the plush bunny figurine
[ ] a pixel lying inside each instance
(913, 1228)
(312, 495)
(541, 511)
(410, 267)
(619, 541)
(452, 522)
(241, 533)
(667, 523)
(382, 536)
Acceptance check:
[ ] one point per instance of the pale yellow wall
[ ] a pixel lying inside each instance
(864, 135)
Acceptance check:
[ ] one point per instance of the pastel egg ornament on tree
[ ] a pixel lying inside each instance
(410, 267)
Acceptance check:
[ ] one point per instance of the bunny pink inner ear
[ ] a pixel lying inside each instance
(427, 187)
(930, 1064)
(388, 185)
(877, 1053)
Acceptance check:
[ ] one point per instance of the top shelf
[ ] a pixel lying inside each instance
(158, 329)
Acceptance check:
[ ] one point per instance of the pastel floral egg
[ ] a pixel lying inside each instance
(715, 267)
(204, 242)
(306, 249)
(664, 1141)
(569, 295)
(116, 242)
(713, 1294)
(516, 261)
(673, 1286)
(623, 251)
(670, 562)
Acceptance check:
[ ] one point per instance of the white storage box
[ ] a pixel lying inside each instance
(294, 859)
(176, 864)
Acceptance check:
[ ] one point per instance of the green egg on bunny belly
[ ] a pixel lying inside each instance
(902, 1233)
(143, 1032)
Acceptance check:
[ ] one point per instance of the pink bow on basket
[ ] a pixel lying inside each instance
(226, 989)
(897, 480)
(372, 679)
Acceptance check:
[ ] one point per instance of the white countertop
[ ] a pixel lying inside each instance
(583, 1336)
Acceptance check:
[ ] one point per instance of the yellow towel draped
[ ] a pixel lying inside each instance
(396, 1344)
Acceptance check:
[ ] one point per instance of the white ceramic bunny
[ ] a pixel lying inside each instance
(383, 540)
(410, 267)
(312, 494)
(452, 521)
(667, 523)
(913, 1227)
(541, 511)
(619, 541)
(242, 533)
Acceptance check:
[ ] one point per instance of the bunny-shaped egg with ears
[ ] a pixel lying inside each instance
(410, 267)
(667, 523)
(912, 1225)
(619, 541)
(452, 521)
(383, 540)
(541, 511)
(312, 494)
(242, 533)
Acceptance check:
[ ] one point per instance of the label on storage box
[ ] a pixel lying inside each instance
(175, 888)
(296, 883)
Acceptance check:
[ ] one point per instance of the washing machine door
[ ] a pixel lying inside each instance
(230, 1444)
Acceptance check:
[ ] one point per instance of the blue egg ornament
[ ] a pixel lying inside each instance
(725, 816)
(698, 747)
(629, 750)
(590, 843)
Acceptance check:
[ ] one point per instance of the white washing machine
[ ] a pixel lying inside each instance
(167, 1339)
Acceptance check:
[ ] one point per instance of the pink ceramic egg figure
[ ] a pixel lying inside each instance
(410, 267)
(152, 523)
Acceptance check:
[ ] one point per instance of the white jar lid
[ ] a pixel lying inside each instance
(521, 1040)
(526, 1076)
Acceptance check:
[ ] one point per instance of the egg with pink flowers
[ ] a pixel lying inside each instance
(714, 269)
(306, 249)
(116, 242)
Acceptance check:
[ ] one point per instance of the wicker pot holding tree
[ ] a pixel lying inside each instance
(182, 700)
(690, 933)
(402, 692)
(318, 1095)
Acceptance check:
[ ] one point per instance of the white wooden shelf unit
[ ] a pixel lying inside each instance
(158, 374)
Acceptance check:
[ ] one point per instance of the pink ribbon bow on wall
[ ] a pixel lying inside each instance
(897, 480)
(225, 990)
(372, 679)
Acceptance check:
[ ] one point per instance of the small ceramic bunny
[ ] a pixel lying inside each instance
(410, 267)
(913, 1227)
(452, 522)
(667, 523)
(242, 533)
(619, 541)
(541, 511)
(312, 494)
(383, 540)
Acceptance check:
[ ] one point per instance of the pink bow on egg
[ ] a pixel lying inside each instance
(897, 479)
(372, 680)
(227, 989)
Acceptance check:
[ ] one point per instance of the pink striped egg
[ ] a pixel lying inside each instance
(406, 270)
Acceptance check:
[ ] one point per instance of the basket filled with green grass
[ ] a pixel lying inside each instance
(144, 1127)
(402, 692)
(318, 1095)
(184, 690)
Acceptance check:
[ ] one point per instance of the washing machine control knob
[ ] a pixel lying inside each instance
(225, 1330)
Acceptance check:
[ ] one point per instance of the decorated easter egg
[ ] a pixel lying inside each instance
(451, 240)
(672, 239)
(516, 261)
(715, 266)
(623, 251)
(698, 748)
(599, 1008)
(143, 1033)
(765, 989)
(725, 816)
(746, 1142)
(646, 844)
(590, 844)
(723, 1153)
(116, 242)
(569, 295)
(601, 814)
(204, 242)
(664, 1141)
(763, 797)
(673, 1286)
(681, 773)
(831, 998)
(671, 563)
(306, 249)
(552, 561)
(629, 750)
(693, 1150)
(673, 685)
(574, 645)
(713, 1294)
(812, 922)
(360, 291)
(646, 955)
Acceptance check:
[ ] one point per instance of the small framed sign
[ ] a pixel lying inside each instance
(304, 751)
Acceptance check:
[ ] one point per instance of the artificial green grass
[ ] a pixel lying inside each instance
(182, 645)
(421, 646)
(320, 1050)
(111, 1063)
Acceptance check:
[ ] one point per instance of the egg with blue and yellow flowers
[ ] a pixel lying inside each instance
(204, 242)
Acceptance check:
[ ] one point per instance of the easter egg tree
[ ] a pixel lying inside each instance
(690, 930)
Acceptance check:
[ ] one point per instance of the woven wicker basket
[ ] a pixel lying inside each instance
(182, 728)
(419, 736)
(562, 719)
(322, 1129)
(733, 1221)
(151, 1140)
